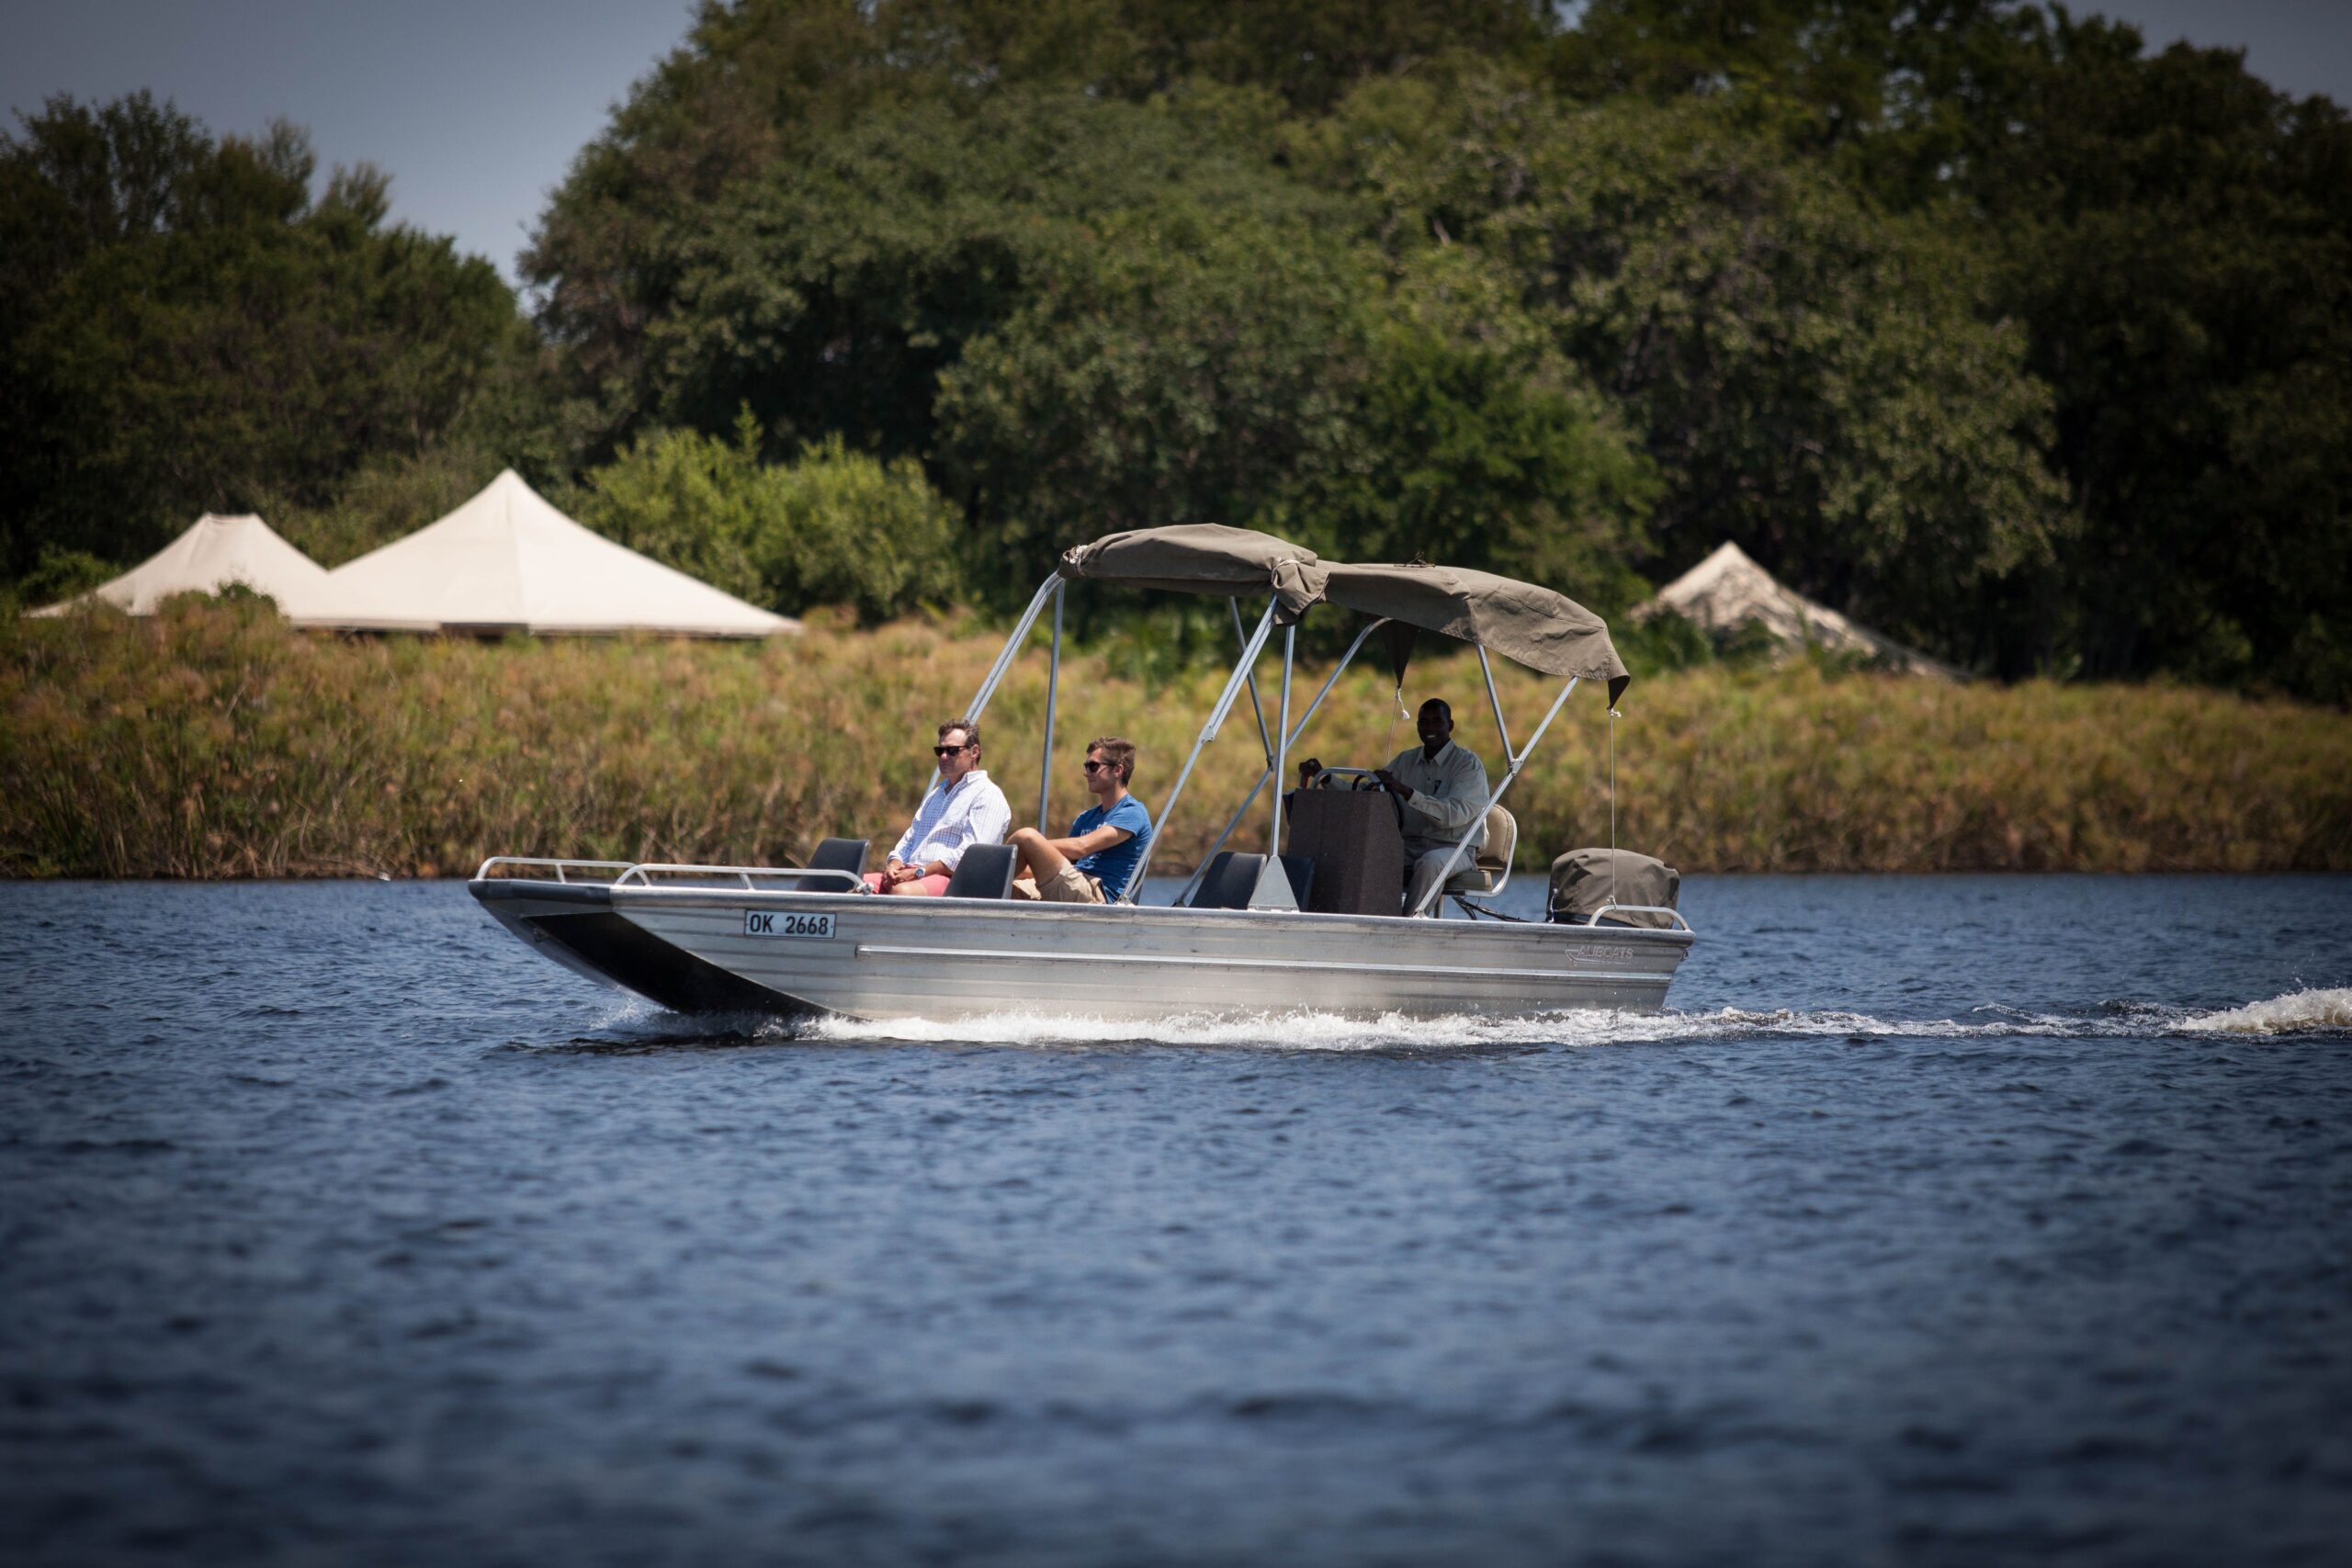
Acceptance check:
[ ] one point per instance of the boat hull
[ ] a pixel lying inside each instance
(694, 950)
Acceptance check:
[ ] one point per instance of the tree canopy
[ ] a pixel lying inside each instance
(187, 328)
(1972, 317)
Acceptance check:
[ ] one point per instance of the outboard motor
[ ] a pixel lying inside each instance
(1583, 882)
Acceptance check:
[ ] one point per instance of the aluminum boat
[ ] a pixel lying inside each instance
(811, 940)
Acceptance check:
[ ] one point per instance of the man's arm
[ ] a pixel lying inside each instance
(1386, 778)
(899, 851)
(1463, 803)
(1089, 842)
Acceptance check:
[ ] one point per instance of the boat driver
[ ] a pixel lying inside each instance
(964, 808)
(1093, 864)
(1440, 789)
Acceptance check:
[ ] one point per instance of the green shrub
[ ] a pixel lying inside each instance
(213, 741)
(832, 527)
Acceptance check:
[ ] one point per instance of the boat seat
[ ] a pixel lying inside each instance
(1490, 873)
(1233, 877)
(839, 854)
(985, 872)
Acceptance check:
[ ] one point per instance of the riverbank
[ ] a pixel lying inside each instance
(213, 741)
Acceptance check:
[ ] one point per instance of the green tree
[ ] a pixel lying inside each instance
(1965, 315)
(2179, 237)
(1189, 368)
(1830, 388)
(830, 293)
(189, 329)
(760, 87)
(832, 527)
(2173, 235)
(1475, 442)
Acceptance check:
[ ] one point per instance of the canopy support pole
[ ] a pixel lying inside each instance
(1305, 719)
(1241, 637)
(1282, 728)
(1437, 890)
(1053, 684)
(1500, 728)
(1233, 685)
(1052, 585)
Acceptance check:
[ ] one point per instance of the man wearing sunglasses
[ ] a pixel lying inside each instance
(964, 808)
(1092, 865)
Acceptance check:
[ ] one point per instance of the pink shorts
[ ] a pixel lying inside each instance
(921, 887)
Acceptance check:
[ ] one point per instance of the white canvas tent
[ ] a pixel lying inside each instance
(212, 555)
(1729, 591)
(508, 560)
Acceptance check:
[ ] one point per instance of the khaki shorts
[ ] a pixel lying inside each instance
(1067, 885)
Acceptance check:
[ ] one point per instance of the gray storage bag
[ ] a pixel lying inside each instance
(1585, 881)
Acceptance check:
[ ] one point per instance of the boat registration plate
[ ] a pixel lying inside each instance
(780, 922)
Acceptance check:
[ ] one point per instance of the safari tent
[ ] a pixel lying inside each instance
(507, 560)
(1728, 591)
(214, 553)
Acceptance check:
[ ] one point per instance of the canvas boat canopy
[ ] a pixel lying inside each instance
(214, 553)
(1203, 557)
(508, 560)
(1524, 623)
(1533, 626)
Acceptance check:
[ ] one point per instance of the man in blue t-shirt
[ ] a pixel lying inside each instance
(1092, 865)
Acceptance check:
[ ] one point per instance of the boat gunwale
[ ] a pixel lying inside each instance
(1526, 933)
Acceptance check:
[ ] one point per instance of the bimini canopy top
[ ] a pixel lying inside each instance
(1203, 557)
(1532, 625)
(1529, 624)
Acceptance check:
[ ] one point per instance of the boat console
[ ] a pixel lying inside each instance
(1358, 853)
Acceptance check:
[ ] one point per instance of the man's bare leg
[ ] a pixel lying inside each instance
(1040, 862)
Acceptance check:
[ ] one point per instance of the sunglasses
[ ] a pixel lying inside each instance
(1092, 766)
(950, 750)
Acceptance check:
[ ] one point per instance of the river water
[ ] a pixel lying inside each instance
(1941, 1220)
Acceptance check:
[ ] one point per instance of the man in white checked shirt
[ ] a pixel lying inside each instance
(964, 808)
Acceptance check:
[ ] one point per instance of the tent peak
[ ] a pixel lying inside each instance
(1729, 589)
(210, 554)
(507, 559)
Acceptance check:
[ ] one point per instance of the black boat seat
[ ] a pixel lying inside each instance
(1232, 876)
(1229, 881)
(985, 872)
(839, 854)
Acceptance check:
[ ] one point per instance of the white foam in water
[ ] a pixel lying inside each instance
(1327, 1031)
(2295, 1012)
(2299, 1011)
(1292, 1031)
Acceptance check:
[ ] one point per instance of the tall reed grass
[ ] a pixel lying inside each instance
(212, 741)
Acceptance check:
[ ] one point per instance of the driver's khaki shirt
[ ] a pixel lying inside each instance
(1449, 794)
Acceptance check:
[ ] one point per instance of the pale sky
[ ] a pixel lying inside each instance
(476, 107)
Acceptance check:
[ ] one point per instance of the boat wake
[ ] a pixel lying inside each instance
(2304, 1012)
(2295, 1013)
(2309, 1013)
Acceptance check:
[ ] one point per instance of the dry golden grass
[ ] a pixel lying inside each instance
(212, 741)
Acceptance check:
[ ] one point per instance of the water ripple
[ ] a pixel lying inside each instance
(1939, 1221)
